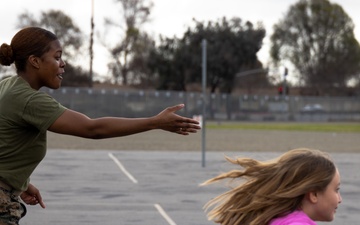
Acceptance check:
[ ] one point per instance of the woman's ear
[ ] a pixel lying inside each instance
(34, 61)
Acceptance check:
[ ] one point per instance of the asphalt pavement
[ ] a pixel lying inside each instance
(150, 188)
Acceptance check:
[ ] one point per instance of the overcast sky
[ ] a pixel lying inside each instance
(169, 17)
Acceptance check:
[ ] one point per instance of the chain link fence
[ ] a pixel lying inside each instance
(116, 102)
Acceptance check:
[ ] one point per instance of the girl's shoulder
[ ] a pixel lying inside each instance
(293, 218)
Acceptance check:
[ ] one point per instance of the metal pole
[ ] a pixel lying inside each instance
(91, 44)
(203, 144)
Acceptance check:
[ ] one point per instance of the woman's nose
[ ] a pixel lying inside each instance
(63, 64)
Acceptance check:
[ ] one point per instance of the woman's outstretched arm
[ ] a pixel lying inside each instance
(78, 124)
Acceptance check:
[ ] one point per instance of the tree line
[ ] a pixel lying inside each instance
(315, 37)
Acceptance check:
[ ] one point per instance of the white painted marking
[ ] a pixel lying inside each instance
(163, 213)
(122, 168)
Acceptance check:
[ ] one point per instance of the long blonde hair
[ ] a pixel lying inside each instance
(270, 188)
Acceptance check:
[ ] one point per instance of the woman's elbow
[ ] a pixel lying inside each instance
(94, 134)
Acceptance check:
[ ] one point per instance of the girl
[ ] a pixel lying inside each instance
(26, 114)
(298, 188)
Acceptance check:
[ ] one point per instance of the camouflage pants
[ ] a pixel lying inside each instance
(11, 209)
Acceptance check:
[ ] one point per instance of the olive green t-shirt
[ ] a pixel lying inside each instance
(25, 116)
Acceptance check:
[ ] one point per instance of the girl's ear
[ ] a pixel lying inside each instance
(34, 61)
(312, 196)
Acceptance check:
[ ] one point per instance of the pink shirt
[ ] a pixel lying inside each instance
(294, 218)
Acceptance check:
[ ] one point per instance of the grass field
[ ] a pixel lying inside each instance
(287, 126)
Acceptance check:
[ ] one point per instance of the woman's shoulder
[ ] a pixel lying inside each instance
(16, 89)
(293, 218)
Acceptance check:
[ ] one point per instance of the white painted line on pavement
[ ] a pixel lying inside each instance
(163, 213)
(122, 168)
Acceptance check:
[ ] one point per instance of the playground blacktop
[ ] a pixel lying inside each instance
(150, 187)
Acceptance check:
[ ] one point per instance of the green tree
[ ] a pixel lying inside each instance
(231, 48)
(70, 37)
(317, 37)
(139, 63)
(168, 65)
(132, 45)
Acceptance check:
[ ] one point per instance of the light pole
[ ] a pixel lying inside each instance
(91, 44)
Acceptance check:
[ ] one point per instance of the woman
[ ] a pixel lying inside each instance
(26, 114)
(298, 188)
